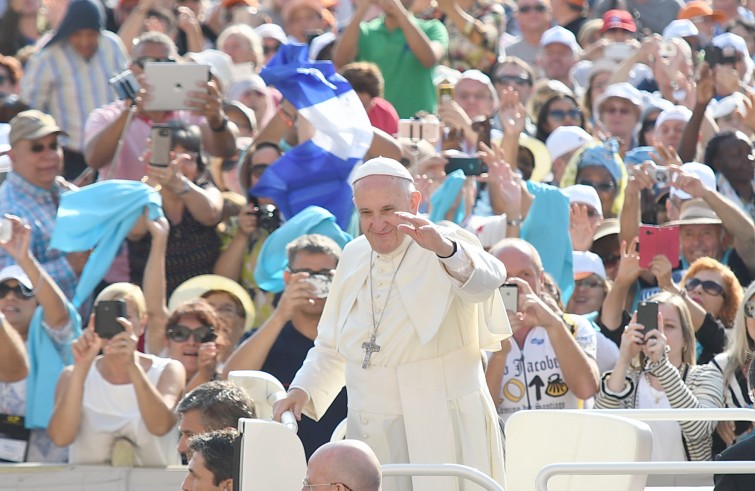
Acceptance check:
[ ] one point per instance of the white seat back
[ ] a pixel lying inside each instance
(263, 388)
(271, 457)
(541, 437)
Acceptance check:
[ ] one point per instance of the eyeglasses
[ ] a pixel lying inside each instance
(323, 272)
(709, 287)
(143, 60)
(180, 333)
(560, 114)
(750, 309)
(41, 147)
(617, 109)
(513, 79)
(480, 96)
(306, 485)
(19, 290)
(588, 283)
(601, 187)
(537, 8)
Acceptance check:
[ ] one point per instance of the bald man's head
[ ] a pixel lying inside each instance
(348, 462)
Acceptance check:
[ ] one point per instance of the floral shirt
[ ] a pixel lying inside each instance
(462, 53)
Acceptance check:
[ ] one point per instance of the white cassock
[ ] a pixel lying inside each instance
(423, 397)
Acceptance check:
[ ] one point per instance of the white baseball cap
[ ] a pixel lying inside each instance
(587, 263)
(680, 28)
(272, 31)
(14, 272)
(703, 172)
(621, 90)
(558, 34)
(381, 166)
(220, 64)
(584, 195)
(731, 40)
(676, 113)
(566, 139)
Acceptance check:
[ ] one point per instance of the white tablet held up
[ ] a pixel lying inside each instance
(171, 83)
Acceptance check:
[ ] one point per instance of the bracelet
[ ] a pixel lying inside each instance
(516, 222)
(456, 248)
(223, 126)
(186, 187)
(287, 118)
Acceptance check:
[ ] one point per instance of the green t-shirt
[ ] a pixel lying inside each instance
(408, 84)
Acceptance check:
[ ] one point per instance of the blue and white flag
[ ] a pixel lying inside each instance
(316, 172)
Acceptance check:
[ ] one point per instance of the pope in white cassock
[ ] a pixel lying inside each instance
(410, 308)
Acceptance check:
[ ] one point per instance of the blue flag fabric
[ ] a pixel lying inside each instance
(99, 217)
(316, 172)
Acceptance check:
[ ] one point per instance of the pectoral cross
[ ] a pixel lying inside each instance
(369, 347)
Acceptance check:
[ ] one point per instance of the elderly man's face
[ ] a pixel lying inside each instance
(474, 97)
(556, 60)
(145, 53)
(619, 116)
(698, 241)
(670, 133)
(377, 198)
(519, 264)
(85, 42)
(38, 161)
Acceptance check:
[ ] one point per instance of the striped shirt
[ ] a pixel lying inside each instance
(37, 207)
(60, 82)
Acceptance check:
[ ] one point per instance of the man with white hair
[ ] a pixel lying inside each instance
(413, 372)
(348, 463)
(559, 52)
(669, 126)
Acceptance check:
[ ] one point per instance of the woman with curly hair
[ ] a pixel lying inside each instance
(734, 364)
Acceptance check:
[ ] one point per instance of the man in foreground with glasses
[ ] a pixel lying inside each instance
(32, 192)
(281, 344)
(347, 465)
(32, 305)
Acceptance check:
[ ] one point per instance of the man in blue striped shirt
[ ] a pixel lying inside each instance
(68, 77)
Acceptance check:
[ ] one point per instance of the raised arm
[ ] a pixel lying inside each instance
(153, 285)
(347, 46)
(14, 360)
(133, 26)
(429, 52)
(47, 292)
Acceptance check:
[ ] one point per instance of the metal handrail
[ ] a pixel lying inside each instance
(451, 470)
(686, 414)
(637, 468)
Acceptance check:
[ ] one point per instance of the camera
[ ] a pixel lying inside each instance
(125, 85)
(6, 230)
(268, 217)
(660, 175)
(419, 128)
(715, 55)
(321, 284)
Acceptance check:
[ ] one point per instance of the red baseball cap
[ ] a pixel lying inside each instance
(618, 19)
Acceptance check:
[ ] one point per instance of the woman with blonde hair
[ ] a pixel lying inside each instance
(734, 364)
(657, 370)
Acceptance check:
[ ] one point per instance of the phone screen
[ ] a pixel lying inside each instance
(470, 165)
(647, 315)
(106, 313)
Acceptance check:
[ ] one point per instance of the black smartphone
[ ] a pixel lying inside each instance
(720, 56)
(105, 314)
(209, 337)
(470, 165)
(161, 136)
(647, 315)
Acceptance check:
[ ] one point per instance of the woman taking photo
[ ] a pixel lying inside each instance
(657, 370)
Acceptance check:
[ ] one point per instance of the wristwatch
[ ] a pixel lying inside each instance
(223, 125)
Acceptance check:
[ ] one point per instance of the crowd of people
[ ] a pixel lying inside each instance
(503, 205)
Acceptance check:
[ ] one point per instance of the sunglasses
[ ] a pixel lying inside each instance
(143, 60)
(601, 187)
(560, 114)
(588, 283)
(617, 109)
(270, 49)
(513, 79)
(323, 272)
(709, 287)
(750, 309)
(19, 290)
(202, 334)
(529, 8)
(41, 147)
